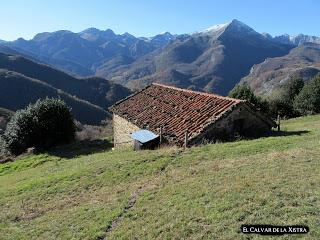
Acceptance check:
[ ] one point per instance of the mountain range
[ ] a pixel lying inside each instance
(302, 61)
(213, 60)
(297, 40)
(98, 67)
(84, 52)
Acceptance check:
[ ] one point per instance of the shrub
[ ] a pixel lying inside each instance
(3, 124)
(279, 105)
(293, 87)
(3, 148)
(44, 124)
(308, 100)
(88, 132)
(244, 92)
(281, 102)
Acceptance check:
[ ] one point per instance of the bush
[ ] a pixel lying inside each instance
(293, 87)
(244, 92)
(308, 100)
(3, 124)
(44, 124)
(3, 148)
(281, 102)
(88, 132)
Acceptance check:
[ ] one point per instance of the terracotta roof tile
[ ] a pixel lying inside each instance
(176, 110)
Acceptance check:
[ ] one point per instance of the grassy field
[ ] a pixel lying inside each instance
(202, 193)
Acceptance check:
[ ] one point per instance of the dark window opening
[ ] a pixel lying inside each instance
(238, 126)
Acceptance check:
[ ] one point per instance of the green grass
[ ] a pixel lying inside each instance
(202, 193)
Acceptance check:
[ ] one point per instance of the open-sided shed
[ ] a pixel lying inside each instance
(144, 139)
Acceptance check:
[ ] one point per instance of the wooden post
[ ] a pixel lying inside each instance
(160, 141)
(278, 122)
(185, 145)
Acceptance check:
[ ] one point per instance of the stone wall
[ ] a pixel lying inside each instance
(121, 132)
(227, 129)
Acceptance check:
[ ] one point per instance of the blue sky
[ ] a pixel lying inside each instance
(25, 18)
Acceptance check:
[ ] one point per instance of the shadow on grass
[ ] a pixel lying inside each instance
(265, 135)
(84, 147)
(87, 147)
(288, 133)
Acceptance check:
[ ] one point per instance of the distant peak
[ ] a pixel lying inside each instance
(41, 36)
(236, 21)
(20, 39)
(267, 35)
(95, 31)
(126, 34)
(220, 27)
(94, 34)
(92, 29)
(166, 33)
(62, 32)
(216, 27)
(109, 31)
(163, 35)
(238, 24)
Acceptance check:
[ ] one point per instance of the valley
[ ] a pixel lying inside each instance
(93, 69)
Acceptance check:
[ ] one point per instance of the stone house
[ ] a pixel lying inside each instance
(181, 115)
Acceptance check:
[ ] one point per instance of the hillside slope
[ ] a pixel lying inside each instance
(202, 193)
(17, 91)
(96, 90)
(303, 61)
(23, 81)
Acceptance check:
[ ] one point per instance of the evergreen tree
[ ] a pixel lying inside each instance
(44, 124)
(308, 100)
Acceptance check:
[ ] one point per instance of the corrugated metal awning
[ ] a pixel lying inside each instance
(143, 136)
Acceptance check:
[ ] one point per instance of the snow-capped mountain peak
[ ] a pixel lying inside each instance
(297, 39)
(235, 25)
(216, 27)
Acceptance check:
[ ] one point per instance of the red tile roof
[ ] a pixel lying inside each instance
(176, 110)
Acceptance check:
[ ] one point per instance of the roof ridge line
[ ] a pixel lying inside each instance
(127, 97)
(197, 92)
